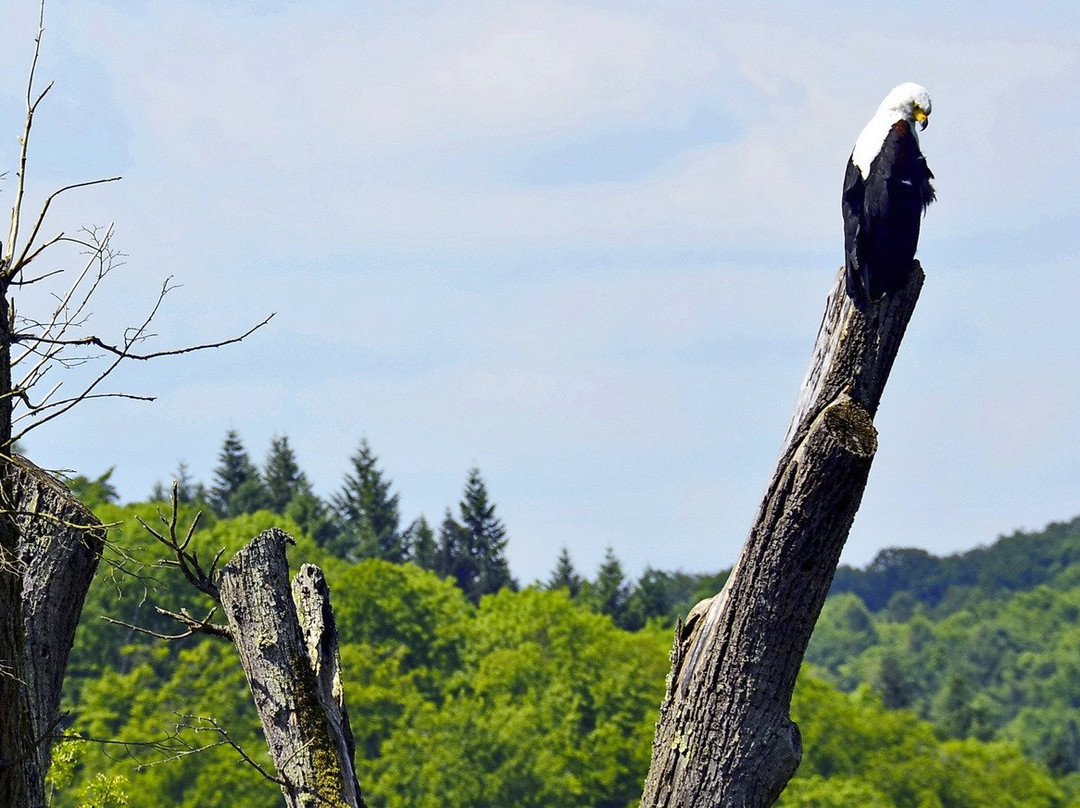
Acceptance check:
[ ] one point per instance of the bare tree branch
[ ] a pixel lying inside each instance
(20, 185)
(26, 256)
(187, 563)
(75, 399)
(195, 626)
(175, 747)
(119, 352)
(124, 353)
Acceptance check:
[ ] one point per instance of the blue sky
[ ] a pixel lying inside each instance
(584, 246)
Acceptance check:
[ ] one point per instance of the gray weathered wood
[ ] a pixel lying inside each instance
(59, 545)
(303, 738)
(312, 598)
(725, 739)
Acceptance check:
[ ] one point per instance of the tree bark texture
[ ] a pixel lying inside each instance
(60, 543)
(293, 670)
(725, 738)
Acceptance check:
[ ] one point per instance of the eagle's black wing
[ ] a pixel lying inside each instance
(895, 194)
(852, 206)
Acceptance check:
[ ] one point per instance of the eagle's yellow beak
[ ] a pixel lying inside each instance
(921, 117)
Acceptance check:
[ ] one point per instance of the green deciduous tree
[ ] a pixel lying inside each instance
(166, 697)
(554, 706)
(880, 754)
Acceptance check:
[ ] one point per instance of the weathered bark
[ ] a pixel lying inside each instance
(16, 732)
(725, 738)
(293, 672)
(60, 543)
(312, 598)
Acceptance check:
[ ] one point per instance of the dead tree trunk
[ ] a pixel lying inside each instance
(288, 648)
(725, 739)
(59, 545)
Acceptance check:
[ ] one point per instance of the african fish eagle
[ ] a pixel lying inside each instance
(886, 191)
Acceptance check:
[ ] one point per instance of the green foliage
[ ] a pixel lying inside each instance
(528, 699)
(843, 631)
(552, 706)
(464, 693)
(880, 757)
(666, 596)
(403, 611)
(1003, 669)
(281, 475)
(187, 490)
(609, 593)
(312, 514)
(158, 708)
(815, 791)
(420, 544)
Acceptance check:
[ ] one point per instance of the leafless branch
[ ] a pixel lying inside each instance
(194, 625)
(39, 278)
(102, 256)
(187, 563)
(217, 728)
(174, 746)
(20, 185)
(119, 353)
(26, 255)
(75, 399)
(125, 353)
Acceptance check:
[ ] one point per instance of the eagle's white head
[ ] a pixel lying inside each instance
(910, 102)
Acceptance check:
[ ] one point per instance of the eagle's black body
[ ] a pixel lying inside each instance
(882, 215)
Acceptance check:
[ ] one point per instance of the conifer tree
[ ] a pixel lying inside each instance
(281, 475)
(488, 536)
(367, 513)
(93, 493)
(453, 558)
(473, 551)
(237, 488)
(609, 594)
(420, 544)
(187, 489)
(564, 576)
(312, 515)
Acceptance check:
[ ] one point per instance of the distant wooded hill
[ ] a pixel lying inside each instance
(1014, 563)
(984, 644)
